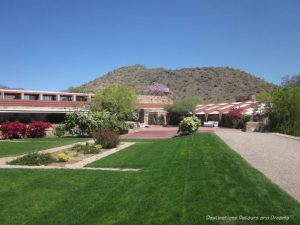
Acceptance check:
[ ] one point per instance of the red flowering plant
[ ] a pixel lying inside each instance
(37, 129)
(12, 130)
(235, 115)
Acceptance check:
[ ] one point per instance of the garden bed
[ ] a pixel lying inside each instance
(74, 157)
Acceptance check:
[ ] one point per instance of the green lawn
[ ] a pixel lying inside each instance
(21, 146)
(181, 182)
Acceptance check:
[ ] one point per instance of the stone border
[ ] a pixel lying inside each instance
(287, 136)
(78, 165)
(67, 168)
(3, 160)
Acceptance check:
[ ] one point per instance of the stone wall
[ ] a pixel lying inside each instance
(155, 99)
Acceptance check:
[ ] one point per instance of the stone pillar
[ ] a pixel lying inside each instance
(74, 98)
(89, 98)
(165, 119)
(58, 97)
(22, 96)
(146, 117)
(40, 96)
(2, 95)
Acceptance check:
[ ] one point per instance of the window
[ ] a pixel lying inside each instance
(49, 97)
(65, 98)
(12, 96)
(31, 97)
(81, 98)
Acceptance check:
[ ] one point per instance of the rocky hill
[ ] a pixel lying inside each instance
(3, 87)
(214, 84)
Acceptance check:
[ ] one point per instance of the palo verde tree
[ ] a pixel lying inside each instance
(182, 108)
(117, 100)
(283, 109)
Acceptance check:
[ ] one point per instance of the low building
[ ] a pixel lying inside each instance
(39, 105)
(151, 108)
(25, 106)
(216, 111)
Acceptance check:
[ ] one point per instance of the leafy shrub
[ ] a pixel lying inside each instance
(77, 147)
(189, 125)
(83, 123)
(80, 123)
(87, 148)
(63, 157)
(119, 126)
(60, 130)
(13, 130)
(284, 111)
(37, 129)
(33, 159)
(243, 121)
(92, 149)
(107, 138)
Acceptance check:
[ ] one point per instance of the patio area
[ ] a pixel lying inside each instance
(169, 132)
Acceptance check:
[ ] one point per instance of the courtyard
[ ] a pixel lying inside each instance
(184, 180)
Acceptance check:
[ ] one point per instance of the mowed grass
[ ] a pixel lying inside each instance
(21, 146)
(181, 182)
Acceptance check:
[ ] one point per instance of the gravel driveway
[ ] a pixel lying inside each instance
(276, 156)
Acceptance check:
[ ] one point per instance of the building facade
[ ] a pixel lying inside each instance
(26, 106)
(39, 105)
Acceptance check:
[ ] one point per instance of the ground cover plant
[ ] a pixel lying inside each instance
(87, 148)
(17, 147)
(33, 159)
(182, 181)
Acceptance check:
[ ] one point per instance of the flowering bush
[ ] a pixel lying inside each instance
(13, 130)
(235, 113)
(234, 117)
(63, 157)
(37, 129)
(83, 123)
(157, 89)
(189, 125)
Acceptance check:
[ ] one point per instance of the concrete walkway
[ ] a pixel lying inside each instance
(278, 157)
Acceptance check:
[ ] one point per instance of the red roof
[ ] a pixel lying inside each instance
(223, 107)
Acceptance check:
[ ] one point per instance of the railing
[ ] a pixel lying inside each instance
(41, 103)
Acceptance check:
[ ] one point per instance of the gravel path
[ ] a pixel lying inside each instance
(278, 157)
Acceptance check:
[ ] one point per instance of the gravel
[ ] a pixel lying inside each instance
(278, 157)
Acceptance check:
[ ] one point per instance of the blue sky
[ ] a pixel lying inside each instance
(53, 44)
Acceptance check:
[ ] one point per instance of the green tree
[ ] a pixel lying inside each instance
(284, 111)
(118, 101)
(73, 89)
(291, 81)
(183, 107)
